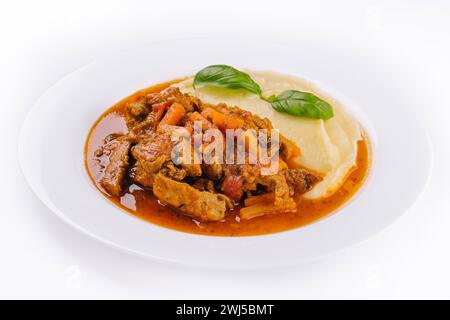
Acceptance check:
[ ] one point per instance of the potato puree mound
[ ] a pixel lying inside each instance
(328, 147)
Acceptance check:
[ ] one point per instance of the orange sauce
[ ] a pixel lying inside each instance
(143, 204)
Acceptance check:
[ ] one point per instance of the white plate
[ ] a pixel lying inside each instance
(54, 133)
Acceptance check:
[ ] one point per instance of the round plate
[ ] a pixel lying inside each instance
(54, 133)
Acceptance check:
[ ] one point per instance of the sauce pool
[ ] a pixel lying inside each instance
(143, 204)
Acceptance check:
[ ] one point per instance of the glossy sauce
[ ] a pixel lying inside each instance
(143, 204)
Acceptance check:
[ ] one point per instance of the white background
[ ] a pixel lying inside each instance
(41, 41)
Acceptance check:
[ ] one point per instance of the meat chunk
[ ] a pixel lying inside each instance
(144, 172)
(172, 171)
(300, 180)
(138, 108)
(150, 155)
(114, 175)
(151, 148)
(148, 125)
(205, 206)
(276, 183)
(204, 185)
(213, 171)
(137, 111)
(172, 95)
(192, 169)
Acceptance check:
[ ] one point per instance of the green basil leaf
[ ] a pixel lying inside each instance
(226, 77)
(302, 104)
(296, 103)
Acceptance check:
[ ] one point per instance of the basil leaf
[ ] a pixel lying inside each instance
(302, 104)
(226, 77)
(296, 103)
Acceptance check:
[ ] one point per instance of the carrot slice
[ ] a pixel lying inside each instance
(173, 115)
(221, 120)
(261, 209)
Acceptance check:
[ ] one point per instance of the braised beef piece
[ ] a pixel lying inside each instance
(300, 180)
(114, 175)
(151, 153)
(138, 108)
(204, 191)
(172, 95)
(213, 171)
(144, 171)
(206, 206)
(203, 184)
(145, 128)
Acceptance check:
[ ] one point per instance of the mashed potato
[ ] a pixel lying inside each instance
(328, 147)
